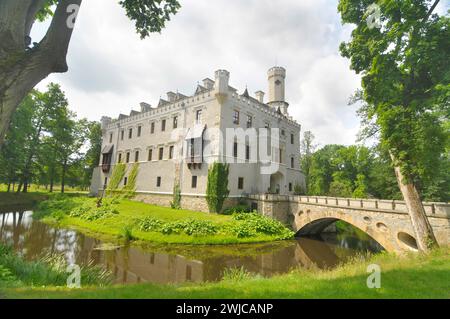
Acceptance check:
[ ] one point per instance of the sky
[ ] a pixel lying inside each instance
(111, 70)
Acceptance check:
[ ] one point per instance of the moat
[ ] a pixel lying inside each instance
(175, 264)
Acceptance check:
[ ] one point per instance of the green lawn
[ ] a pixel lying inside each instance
(131, 212)
(410, 276)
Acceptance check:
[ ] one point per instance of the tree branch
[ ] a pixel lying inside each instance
(34, 8)
(56, 41)
(431, 10)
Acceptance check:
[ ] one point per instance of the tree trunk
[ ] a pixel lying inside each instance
(424, 232)
(22, 68)
(63, 175)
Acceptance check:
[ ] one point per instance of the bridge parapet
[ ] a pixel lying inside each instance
(433, 209)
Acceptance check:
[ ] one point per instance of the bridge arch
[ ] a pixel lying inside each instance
(314, 223)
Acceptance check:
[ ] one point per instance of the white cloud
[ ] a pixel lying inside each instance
(111, 70)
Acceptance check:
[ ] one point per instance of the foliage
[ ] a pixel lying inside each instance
(150, 15)
(127, 233)
(176, 202)
(405, 74)
(241, 208)
(48, 270)
(307, 149)
(117, 176)
(251, 224)
(217, 188)
(299, 190)
(236, 274)
(189, 227)
(90, 212)
(130, 189)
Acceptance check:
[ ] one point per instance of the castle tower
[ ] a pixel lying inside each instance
(277, 76)
(222, 78)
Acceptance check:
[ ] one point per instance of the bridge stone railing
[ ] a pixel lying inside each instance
(434, 209)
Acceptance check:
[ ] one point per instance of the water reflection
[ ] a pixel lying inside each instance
(34, 239)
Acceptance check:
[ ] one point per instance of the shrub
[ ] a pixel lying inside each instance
(236, 274)
(251, 224)
(217, 188)
(127, 233)
(189, 227)
(241, 208)
(89, 211)
(176, 203)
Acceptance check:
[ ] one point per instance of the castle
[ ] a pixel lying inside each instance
(175, 143)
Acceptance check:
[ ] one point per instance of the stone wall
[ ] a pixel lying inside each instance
(189, 202)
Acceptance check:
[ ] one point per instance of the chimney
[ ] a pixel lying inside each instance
(208, 83)
(260, 96)
(145, 107)
(171, 96)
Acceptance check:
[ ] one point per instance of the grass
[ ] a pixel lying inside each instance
(123, 220)
(49, 270)
(409, 276)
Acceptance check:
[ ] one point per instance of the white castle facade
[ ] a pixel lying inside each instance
(176, 142)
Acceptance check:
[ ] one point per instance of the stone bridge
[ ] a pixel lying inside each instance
(386, 221)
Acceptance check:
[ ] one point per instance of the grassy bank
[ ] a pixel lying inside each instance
(15, 272)
(130, 220)
(410, 276)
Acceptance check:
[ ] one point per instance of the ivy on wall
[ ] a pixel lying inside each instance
(217, 188)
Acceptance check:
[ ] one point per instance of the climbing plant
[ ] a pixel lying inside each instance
(176, 203)
(130, 189)
(116, 177)
(217, 188)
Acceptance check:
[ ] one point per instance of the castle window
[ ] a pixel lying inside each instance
(290, 187)
(161, 153)
(122, 133)
(240, 183)
(128, 157)
(152, 128)
(247, 152)
(171, 152)
(120, 158)
(235, 150)
(283, 133)
(130, 133)
(194, 182)
(267, 125)
(292, 162)
(163, 125)
(198, 117)
(139, 131)
(110, 137)
(125, 181)
(158, 181)
(175, 122)
(249, 121)
(150, 154)
(136, 156)
(292, 138)
(236, 117)
(280, 152)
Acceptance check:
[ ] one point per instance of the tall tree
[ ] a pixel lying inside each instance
(405, 73)
(307, 148)
(23, 64)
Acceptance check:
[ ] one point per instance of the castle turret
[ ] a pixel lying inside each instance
(221, 85)
(277, 76)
